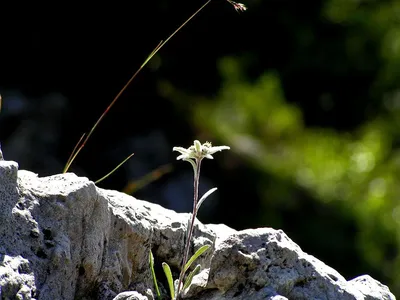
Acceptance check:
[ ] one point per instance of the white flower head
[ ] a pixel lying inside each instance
(198, 151)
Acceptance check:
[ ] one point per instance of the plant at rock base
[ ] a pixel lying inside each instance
(194, 155)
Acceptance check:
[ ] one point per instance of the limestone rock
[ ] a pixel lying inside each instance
(61, 237)
(130, 296)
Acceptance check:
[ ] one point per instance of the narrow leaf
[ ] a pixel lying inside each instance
(151, 260)
(168, 274)
(153, 273)
(199, 252)
(205, 196)
(190, 277)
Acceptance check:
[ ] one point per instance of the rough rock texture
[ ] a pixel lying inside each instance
(61, 237)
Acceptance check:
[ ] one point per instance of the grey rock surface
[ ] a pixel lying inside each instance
(61, 237)
(133, 295)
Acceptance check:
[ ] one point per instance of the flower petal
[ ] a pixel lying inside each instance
(183, 157)
(218, 148)
(197, 145)
(181, 150)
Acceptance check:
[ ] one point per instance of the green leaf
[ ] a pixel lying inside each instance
(168, 274)
(151, 262)
(199, 252)
(190, 277)
(205, 196)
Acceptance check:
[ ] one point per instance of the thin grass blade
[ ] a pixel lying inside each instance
(152, 53)
(116, 168)
(168, 274)
(190, 277)
(72, 155)
(199, 252)
(153, 273)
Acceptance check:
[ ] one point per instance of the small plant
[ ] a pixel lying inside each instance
(194, 155)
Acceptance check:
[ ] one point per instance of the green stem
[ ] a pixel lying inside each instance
(196, 182)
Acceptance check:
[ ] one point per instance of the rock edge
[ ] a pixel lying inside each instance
(61, 237)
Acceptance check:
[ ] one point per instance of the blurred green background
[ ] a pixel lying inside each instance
(307, 94)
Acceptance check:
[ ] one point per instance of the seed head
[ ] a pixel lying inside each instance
(238, 6)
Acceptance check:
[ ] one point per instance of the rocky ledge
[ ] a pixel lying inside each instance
(61, 237)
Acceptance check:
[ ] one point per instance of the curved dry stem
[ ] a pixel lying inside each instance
(73, 154)
(156, 49)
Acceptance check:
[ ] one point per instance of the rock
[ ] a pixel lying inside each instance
(17, 281)
(371, 288)
(61, 237)
(130, 296)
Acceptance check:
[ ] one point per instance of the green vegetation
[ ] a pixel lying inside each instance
(194, 155)
(353, 170)
(358, 172)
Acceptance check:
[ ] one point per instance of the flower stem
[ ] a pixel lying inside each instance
(196, 181)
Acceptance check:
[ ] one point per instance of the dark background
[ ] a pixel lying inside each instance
(295, 88)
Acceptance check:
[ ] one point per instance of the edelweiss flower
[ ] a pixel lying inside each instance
(198, 151)
(194, 154)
